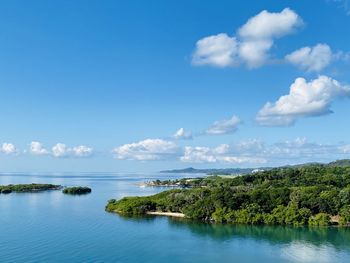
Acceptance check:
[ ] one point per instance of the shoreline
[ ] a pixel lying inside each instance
(170, 214)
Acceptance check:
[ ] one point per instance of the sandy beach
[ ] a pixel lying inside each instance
(166, 214)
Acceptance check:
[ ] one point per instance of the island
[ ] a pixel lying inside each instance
(77, 190)
(27, 188)
(312, 194)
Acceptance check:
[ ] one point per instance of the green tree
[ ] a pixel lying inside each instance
(344, 215)
(321, 219)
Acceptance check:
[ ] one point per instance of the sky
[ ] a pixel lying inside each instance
(135, 86)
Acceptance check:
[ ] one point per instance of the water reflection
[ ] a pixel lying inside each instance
(292, 244)
(337, 237)
(298, 244)
(307, 252)
(318, 236)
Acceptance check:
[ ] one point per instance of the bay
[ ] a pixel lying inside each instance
(53, 227)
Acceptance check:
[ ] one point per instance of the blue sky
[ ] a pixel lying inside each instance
(105, 85)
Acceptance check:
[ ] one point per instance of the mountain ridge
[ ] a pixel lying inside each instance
(235, 171)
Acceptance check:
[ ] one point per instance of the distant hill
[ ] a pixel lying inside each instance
(341, 163)
(234, 171)
(224, 171)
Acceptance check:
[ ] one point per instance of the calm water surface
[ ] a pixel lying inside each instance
(52, 227)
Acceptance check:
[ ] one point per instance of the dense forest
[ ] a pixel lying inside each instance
(315, 195)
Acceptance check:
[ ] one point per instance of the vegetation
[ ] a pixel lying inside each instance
(76, 190)
(24, 188)
(342, 163)
(315, 195)
(242, 171)
(183, 183)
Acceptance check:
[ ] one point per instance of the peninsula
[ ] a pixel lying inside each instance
(313, 194)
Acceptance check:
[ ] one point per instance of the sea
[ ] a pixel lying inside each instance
(52, 227)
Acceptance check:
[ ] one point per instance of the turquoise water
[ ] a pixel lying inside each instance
(52, 227)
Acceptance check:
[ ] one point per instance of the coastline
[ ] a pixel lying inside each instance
(170, 214)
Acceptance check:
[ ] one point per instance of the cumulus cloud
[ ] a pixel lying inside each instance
(266, 25)
(82, 151)
(198, 155)
(254, 52)
(37, 148)
(304, 151)
(219, 50)
(219, 154)
(305, 99)
(146, 150)
(311, 58)
(251, 47)
(221, 149)
(61, 150)
(256, 152)
(224, 126)
(8, 148)
(258, 34)
(181, 134)
(250, 152)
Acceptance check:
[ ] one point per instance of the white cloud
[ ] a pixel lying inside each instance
(36, 148)
(61, 150)
(251, 46)
(219, 50)
(219, 154)
(305, 99)
(255, 152)
(8, 148)
(181, 134)
(82, 151)
(311, 58)
(198, 155)
(268, 25)
(146, 150)
(258, 34)
(221, 149)
(303, 151)
(224, 126)
(254, 52)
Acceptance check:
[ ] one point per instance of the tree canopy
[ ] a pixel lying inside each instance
(315, 195)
